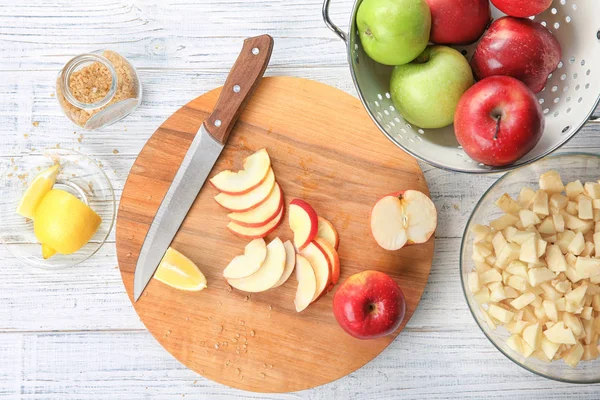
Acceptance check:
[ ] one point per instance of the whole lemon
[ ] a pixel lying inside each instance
(64, 223)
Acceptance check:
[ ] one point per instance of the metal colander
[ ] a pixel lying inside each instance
(568, 100)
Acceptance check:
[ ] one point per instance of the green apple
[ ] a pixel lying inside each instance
(393, 32)
(426, 91)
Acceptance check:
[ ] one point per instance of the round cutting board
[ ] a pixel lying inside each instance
(325, 150)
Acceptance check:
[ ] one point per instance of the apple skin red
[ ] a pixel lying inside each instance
(458, 21)
(521, 121)
(369, 305)
(520, 48)
(522, 8)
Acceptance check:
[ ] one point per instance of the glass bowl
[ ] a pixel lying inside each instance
(78, 175)
(571, 166)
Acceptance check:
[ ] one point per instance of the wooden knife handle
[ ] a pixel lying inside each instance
(239, 86)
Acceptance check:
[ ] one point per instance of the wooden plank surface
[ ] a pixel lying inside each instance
(73, 334)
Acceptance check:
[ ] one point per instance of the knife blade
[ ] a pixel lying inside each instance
(201, 156)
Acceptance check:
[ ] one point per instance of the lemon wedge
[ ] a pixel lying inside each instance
(34, 194)
(63, 223)
(179, 272)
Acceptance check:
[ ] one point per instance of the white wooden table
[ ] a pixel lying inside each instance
(73, 334)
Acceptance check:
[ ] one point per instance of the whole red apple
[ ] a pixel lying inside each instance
(369, 305)
(458, 21)
(498, 121)
(522, 8)
(520, 48)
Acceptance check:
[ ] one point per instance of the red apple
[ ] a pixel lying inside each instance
(369, 305)
(520, 48)
(522, 8)
(458, 21)
(498, 121)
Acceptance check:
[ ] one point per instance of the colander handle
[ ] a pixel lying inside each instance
(330, 23)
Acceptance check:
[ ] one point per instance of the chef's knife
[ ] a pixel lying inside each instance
(201, 156)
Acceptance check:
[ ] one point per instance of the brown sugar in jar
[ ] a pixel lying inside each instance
(98, 89)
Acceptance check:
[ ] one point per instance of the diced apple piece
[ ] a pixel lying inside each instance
(255, 233)
(549, 292)
(481, 267)
(250, 199)
(290, 262)
(521, 237)
(262, 214)
(560, 304)
(540, 203)
(562, 286)
(549, 348)
(307, 283)
(517, 268)
(592, 189)
(490, 276)
(401, 218)
(327, 231)
(500, 314)
(564, 239)
(498, 242)
(587, 313)
(508, 205)
(541, 247)
(577, 244)
(479, 232)
(504, 221)
(497, 293)
(510, 292)
(304, 223)
(588, 249)
(523, 300)
(551, 182)
(590, 352)
(529, 218)
(587, 267)
(596, 302)
(555, 259)
(525, 197)
(247, 264)
(576, 296)
(532, 335)
(547, 226)
(585, 209)
(571, 208)
(487, 318)
(597, 243)
(508, 232)
(482, 250)
(334, 259)
(320, 264)
(540, 355)
(559, 223)
(550, 310)
(482, 296)
(558, 201)
(528, 251)
(518, 282)
(473, 282)
(596, 204)
(560, 334)
(573, 356)
(573, 189)
(516, 326)
(509, 253)
(516, 343)
(538, 276)
(269, 272)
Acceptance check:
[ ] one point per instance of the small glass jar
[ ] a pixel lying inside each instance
(97, 89)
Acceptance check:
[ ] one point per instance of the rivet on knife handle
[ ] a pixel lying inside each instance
(239, 86)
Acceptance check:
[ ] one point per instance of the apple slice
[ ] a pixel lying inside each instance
(269, 272)
(256, 168)
(333, 257)
(303, 222)
(328, 232)
(402, 218)
(263, 214)
(290, 261)
(256, 233)
(320, 265)
(307, 283)
(249, 200)
(245, 265)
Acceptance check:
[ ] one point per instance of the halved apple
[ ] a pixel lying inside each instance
(303, 222)
(402, 218)
(256, 233)
(249, 200)
(245, 265)
(256, 168)
(307, 283)
(290, 261)
(328, 232)
(269, 272)
(334, 259)
(320, 264)
(262, 214)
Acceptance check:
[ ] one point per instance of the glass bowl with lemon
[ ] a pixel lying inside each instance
(58, 208)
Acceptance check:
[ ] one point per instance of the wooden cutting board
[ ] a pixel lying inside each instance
(325, 150)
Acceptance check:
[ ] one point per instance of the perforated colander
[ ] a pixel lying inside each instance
(568, 100)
